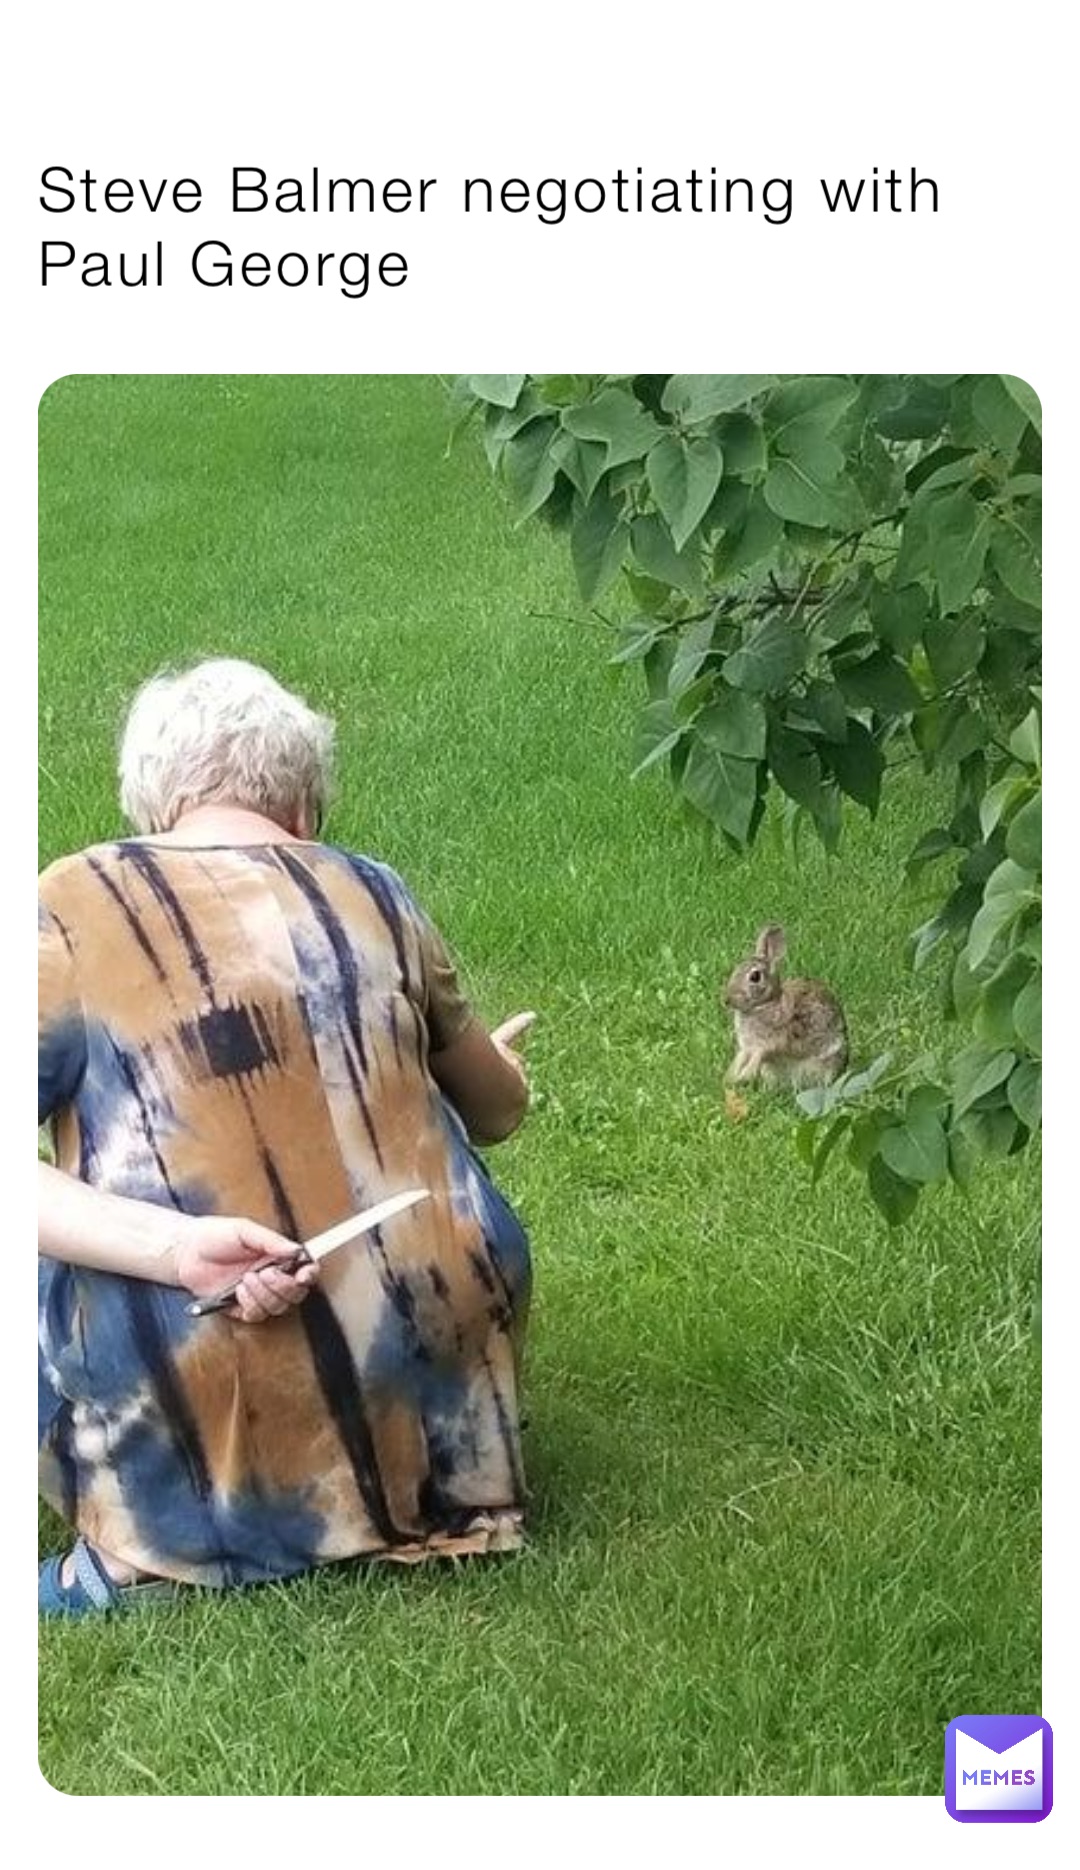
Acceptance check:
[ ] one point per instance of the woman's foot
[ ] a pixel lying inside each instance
(117, 1570)
(83, 1584)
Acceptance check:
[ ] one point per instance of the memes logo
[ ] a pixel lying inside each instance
(999, 1769)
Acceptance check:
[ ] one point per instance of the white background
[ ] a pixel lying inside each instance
(978, 96)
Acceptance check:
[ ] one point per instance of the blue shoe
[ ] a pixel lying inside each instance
(92, 1591)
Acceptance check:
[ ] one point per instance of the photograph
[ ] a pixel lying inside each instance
(539, 1084)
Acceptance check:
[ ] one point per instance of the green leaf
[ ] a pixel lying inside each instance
(827, 815)
(899, 616)
(617, 419)
(733, 723)
(844, 614)
(598, 540)
(1027, 1015)
(504, 391)
(501, 424)
(756, 534)
(1015, 558)
(1009, 890)
(722, 787)
(808, 447)
(1013, 657)
(636, 638)
(557, 512)
(528, 467)
(742, 442)
(896, 1197)
(1023, 394)
(954, 646)
(694, 644)
(997, 1000)
(999, 800)
(990, 1132)
(1025, 740)
(818, 1100)
(655, 552)
(768, 658)
(650, 593)
(913, 558)
(821, 708)
(690, 700)
(1024, 840)
(697, 399)
(795, 765)
(963, 732)
(582, 462)
(858, 765)
(1008, 878)
(998, 413)
(963, 1157)
(959, 538)
(952, 473)
(996, 914)
(866, 1132)
(925, 939)
(976, 1072)
(557, 390)
(683, 476)
(915, 1150)
(833, 1136)
(920, 413)
(933, 844)
(1025, 1093)
(658, 729)
(827, 398)
(793, 493)
(880, 682)
(878, 476)
(943, 466)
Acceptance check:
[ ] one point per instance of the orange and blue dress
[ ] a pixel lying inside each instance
(248, 1030)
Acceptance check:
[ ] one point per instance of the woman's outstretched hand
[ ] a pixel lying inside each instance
(484, 1078)
(214, 1251)
(504, 1037)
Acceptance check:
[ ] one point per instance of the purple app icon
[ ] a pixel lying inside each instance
(999, 1769)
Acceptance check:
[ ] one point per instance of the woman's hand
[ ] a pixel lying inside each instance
(485, 1079)
(214, 1251)
(503, 1038)
(85, 1226)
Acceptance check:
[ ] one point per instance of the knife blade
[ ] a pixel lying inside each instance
(318, 1247)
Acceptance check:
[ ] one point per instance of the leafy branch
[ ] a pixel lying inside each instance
(832, 578)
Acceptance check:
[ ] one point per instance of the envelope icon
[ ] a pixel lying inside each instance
(998, 1768)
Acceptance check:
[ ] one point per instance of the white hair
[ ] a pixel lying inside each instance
(224, 733)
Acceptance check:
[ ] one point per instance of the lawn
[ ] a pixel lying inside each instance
(783, 1462)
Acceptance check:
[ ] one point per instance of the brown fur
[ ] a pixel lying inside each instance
(786, 1032)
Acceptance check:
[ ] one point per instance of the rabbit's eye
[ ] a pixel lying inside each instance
(755, 976)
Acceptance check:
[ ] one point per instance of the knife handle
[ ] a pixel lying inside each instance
(199, 1308)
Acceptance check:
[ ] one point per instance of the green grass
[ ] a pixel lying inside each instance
(784, 1463)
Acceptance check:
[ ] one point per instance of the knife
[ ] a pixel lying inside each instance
(317, 1248)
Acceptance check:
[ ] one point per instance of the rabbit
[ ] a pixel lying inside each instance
(786, 1032)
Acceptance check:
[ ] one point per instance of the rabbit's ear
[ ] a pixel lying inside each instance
(771, 944)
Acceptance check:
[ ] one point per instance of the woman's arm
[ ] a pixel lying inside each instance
(113, 1234)
(485, 1079)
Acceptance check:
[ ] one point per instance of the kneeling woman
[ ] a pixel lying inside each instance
(247, 1036)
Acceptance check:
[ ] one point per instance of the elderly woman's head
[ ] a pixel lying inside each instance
(224, 733)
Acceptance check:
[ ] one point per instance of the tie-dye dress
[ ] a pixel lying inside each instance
(248, 1031)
